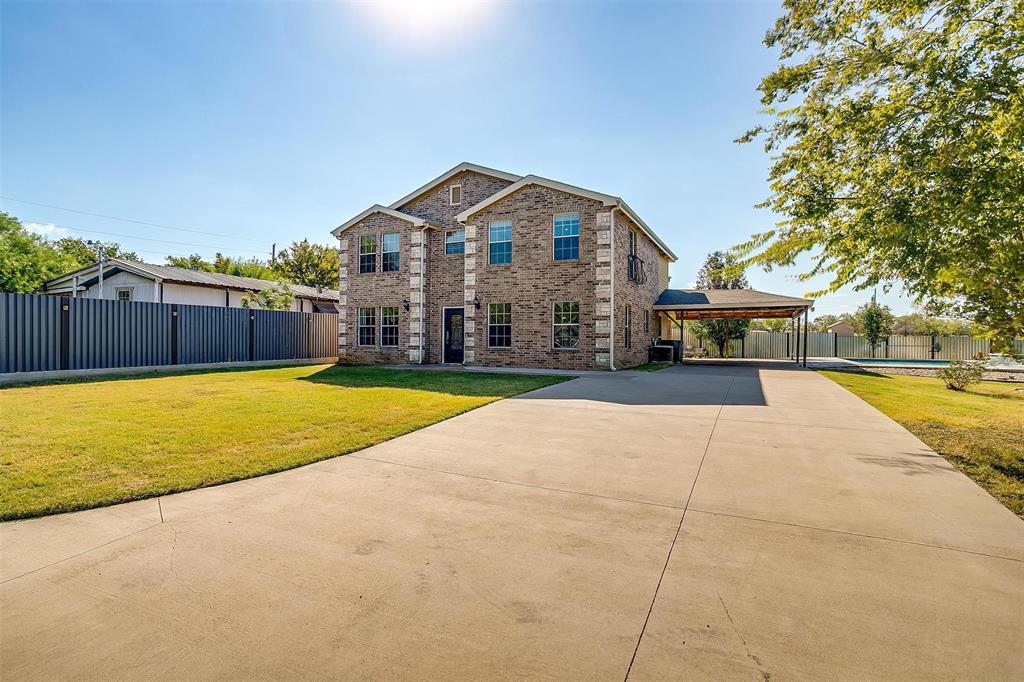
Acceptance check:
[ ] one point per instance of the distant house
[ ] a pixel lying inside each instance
(841, 328)
(125, 280)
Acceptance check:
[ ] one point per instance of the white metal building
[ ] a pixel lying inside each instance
(125, 280)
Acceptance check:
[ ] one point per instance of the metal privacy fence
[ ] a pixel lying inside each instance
(46, 333)
(778, 345)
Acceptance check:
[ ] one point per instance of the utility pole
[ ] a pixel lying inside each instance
(100, 258)
(273, 253)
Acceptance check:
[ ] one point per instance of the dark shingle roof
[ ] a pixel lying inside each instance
(712, 299)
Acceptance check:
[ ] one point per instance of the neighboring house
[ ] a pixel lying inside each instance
(841, 328)
(125, 280)
(480, 266)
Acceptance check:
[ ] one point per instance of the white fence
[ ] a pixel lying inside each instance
(777, 345)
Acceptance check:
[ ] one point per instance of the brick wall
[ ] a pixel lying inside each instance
(639, 297)
(376, 289)
(444, 285)
(533, 281)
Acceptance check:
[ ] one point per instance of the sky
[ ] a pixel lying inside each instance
(254, 123)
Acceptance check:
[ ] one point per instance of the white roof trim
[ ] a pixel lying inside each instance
(68, 278)
(606, 199)
(464, 166)
(377, 208)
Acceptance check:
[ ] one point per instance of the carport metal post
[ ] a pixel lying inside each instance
(807, 316)
(796, 339)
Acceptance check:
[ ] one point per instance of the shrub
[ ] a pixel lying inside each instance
(961, 374)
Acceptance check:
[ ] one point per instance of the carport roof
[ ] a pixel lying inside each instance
(695, 304)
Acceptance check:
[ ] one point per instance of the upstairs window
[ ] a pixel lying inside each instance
(499, 242)
(367, 253)
(389, 258)
(566, 324)
(389, 326)
(367, 326)
(632, 242)
(455, 195)
(454, 242)
(499, 325)
(567, 236)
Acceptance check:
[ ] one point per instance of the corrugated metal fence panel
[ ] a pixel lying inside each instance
(29, 333)
(105, 334)
(289, 335)
(324, 337)
(961, 347)
(212, 334)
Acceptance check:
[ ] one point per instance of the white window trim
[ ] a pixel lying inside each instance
(489, 325)
(579, 230)
(451, 197)
(397, 326)
(360, 326)
(130, 290)
(508, 241)
(565, 324)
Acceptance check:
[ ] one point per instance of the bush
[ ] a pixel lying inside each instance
(961, 374)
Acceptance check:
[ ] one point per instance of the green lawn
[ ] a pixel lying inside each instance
(82, 444)
(981, 431)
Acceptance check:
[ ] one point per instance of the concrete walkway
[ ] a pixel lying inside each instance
(702, 522)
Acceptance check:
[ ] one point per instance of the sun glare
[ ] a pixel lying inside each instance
(425, 20)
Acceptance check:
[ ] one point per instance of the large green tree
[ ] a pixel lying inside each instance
(26, 259)
(309, 264)
(897, 134)
(77, 253)
(721, 271)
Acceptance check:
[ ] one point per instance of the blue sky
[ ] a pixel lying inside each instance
(270, 122)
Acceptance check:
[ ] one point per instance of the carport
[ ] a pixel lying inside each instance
(736, 304)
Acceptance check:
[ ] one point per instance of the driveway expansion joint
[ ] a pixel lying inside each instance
(679, 528)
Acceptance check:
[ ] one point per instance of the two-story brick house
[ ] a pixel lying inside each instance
(484, 267)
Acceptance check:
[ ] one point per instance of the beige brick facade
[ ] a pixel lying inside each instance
(428, 280)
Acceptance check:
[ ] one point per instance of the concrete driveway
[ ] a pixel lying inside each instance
(699, 522)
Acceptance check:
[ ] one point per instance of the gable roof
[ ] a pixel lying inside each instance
(607, 200)
(172, 274)
(377, 208)
(464, 166)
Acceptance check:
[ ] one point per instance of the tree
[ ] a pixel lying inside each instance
(278, 297)
(897, 135)
(874, 322)
(822, 322)
(192, 262)
(770, 325)
(26, 260)
(253, 267)
(310, 264)
(721, 271)
(76, 253)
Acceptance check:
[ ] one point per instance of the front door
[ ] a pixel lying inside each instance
(454, 326)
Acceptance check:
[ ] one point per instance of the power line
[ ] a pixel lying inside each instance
(130, 220)
(150, 239)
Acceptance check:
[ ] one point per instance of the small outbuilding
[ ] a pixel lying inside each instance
(124, 280)
(841, 328)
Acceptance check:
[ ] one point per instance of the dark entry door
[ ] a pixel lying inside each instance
(454, 328)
